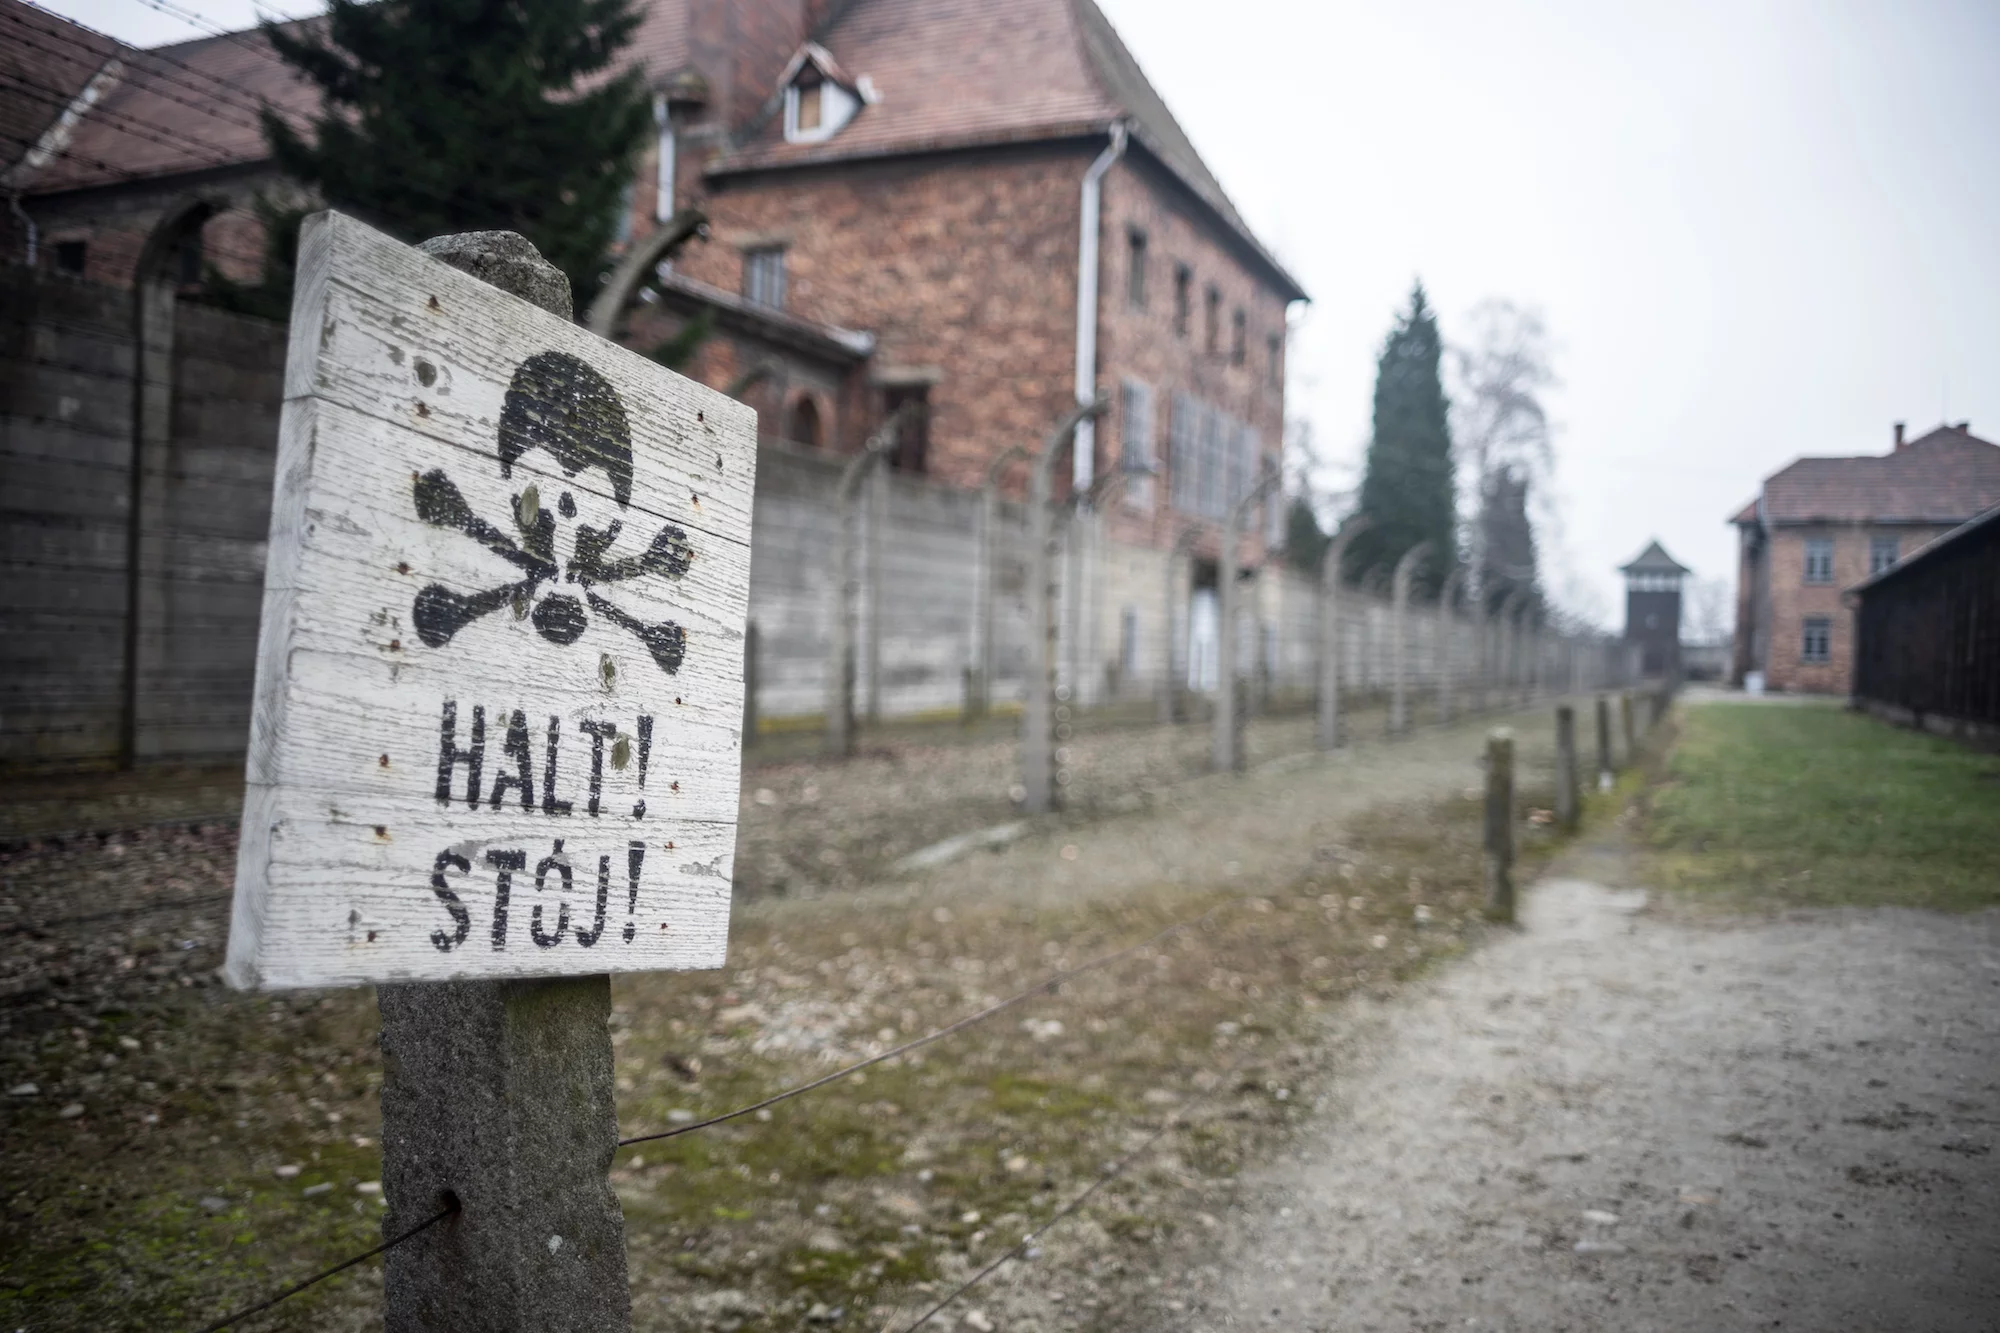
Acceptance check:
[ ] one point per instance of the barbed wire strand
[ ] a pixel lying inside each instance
(1110, 1173)
(321, 1276)
(1046, 984)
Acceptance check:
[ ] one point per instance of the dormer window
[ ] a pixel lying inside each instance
(818, 102)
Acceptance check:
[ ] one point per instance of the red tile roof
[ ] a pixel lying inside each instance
(948, 74)
(187, 107)
(45, 61)
(963, 73)
(1946, 476)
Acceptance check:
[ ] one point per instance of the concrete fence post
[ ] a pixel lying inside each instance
(1605, 771)
(1170, 680)
(1447, 632)
(1567, 797)
(840, 661)
(1226, 755)
(1626, 727)
(1500, 825)
(1040, 782)
(986, 589)
(498, 1095)
(877, 523)
(1399, 677)
(1331, 645)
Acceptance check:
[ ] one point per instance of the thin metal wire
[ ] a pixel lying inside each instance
(969, 1020)
(340, 1267)
(1111, 1173)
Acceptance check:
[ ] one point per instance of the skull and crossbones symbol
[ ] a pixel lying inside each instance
(558, 403)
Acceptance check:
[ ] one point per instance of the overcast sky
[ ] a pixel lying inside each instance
(1755, 230)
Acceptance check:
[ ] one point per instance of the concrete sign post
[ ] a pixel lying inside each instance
(496, 736)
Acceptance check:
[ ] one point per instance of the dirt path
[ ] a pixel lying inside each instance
(1624, 1117)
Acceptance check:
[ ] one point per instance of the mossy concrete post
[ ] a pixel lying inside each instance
(1043, 774)
(1500, 825)
(497, 1095)
(1604, 769)
(1331, 643)
(1399, 682)
(1566, 779)
(1626, 725)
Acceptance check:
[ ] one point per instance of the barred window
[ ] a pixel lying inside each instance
(764, 276)
(1818, 640)
(1819, 560)
(1882, 553)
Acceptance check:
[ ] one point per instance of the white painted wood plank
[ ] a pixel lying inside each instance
(451, 559)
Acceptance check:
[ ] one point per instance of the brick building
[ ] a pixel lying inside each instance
(982, 209)
(1822, 525)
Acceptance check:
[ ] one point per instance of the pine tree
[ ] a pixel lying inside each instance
(1406, 491)
(1305, 540)
(471, 115)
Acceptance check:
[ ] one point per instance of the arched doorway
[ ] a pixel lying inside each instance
(802, 426)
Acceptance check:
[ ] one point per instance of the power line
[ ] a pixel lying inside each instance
(135, 71)
(218, 87)
(120, 122)
(340, 1267)
(969, 1020)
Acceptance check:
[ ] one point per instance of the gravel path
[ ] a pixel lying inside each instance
(1627, 1117)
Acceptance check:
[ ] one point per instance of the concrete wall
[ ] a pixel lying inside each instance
(65, 455)
(68, 404)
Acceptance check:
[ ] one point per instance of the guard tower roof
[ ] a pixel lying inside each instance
(1654, 560)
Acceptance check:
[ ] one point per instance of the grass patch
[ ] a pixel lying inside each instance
(1818, 805)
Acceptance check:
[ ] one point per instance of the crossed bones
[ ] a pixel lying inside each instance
(555, 402)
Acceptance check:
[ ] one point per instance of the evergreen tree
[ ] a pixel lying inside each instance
(1406, 491)
(472, 115)
(1305, 541)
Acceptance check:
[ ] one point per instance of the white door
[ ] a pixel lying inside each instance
(1202, 614)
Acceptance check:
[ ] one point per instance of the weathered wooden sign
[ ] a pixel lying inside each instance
(500, 677)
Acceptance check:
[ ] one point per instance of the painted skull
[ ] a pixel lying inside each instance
(556, 403)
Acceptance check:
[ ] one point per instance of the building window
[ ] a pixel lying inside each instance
(764, 276)
(810, 102)
(1183, 298)
(70, 256)
(911, 452)
(1135, 269)
(1239, 337)
(1211, 328)
(1882, 553)
(1817, 641)
(190, 260)
(1135, 442)
(816, 107)
(1275, 346)
(803, 426)
(1819, 560)
(1212, 458)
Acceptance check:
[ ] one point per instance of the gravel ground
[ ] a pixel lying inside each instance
(1626, 1116)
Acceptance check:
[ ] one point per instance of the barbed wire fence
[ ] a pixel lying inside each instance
(1051, 983)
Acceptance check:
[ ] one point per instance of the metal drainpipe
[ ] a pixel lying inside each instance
(28, 223)
(1083, 454)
